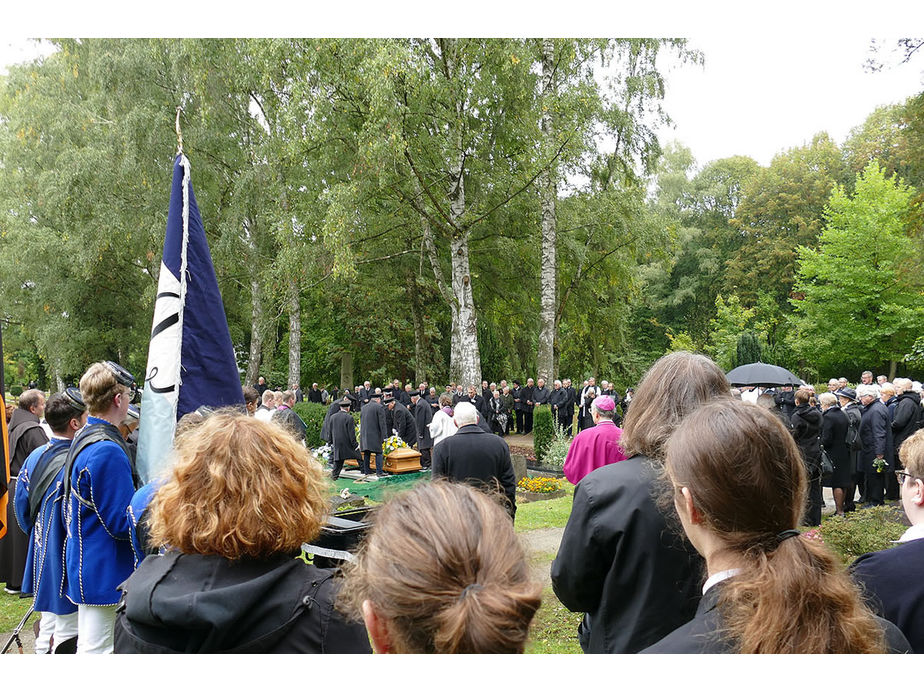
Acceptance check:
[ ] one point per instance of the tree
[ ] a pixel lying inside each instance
(858, 296)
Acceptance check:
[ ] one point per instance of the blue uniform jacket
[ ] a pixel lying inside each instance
(44, 572)
(99, 553)
(140, 502)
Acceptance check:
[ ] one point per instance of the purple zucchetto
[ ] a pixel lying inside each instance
(605, 403)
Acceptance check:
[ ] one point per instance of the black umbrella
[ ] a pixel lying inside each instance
(764, 374)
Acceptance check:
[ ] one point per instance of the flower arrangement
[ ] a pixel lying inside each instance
(879, 465)
(393, 443)
(323, 452)
(539, 484)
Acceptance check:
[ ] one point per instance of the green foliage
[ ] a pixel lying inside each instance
(748, 349)
(313, 415)
(867, 529)
(731, 321)
(557, 450)
(858, 295)
(16, 390)
(543, 431)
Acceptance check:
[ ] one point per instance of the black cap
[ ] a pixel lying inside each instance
(847, 392)
(72, 394)
(375, 394)
(345, 402)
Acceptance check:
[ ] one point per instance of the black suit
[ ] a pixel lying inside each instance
(526, 402)
(892, 586)
(703, 635)
(343, 440)
(372, 433)
(477, 458)
(404, 424)
(423, 415)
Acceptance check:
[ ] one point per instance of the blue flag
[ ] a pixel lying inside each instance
(190, 359)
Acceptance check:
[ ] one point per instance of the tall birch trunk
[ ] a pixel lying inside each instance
(295, 335)
(257, 317)
(548, 190)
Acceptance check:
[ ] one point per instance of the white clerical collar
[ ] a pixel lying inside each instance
(912, 533)
(716, 578)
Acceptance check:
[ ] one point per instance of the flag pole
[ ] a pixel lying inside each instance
(179, 133)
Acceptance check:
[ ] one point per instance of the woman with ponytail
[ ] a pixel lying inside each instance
(739, 487)
(442, 572)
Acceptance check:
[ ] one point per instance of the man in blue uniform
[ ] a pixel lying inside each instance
(98, 552)
(39, 491)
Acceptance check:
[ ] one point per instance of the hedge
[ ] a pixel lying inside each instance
(313, 415)
(543, 431)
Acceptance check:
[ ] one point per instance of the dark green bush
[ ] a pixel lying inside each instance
(16, 390)
(869, 529)
(313, 415)
(543, 431)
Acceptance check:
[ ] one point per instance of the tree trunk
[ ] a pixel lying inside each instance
(419, 346)
(893, 365)
(548, 274)
(295, 335)
(256, 332)
(465, 364)
(346, 370)
(257, 317)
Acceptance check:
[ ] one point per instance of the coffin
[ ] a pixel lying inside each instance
(402, 460)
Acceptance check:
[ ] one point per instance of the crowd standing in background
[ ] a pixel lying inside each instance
(670, 510)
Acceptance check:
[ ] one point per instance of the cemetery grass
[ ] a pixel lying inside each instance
(545, 513)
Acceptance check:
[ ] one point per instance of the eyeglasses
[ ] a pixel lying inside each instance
(900, 475)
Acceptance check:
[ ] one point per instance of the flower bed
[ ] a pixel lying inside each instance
(533, 488)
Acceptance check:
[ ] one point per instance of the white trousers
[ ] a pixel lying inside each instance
(94, 629)
(61, 627)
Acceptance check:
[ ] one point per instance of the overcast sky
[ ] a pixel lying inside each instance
(773, 75)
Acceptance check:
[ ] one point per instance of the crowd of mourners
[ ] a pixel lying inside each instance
(683, 535)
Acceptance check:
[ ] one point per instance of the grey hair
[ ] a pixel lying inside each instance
(464, 414)
(867, 391)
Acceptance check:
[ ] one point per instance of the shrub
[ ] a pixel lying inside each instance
(557, 450)
(313, 415)
(868, 529)
(543, 431)
(16, 390)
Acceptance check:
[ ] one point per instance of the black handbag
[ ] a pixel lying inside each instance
(827, 467)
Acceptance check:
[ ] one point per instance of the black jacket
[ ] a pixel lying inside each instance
(634, 575)
(892, 586)
(703, 635)
(287, 418)
(471, 455)
(541, 395)
(806, 430)
(179, 603)
(907, 417)
(834, 439)
(876, 436)
(343, 436)
(423, 415)
(372, 428)
(403, 422)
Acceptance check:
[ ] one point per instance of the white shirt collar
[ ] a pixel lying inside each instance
(716, 578)
(912, 533)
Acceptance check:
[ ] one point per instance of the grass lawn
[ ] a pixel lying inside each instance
(12, 609)
(554, 628)
(546, 513)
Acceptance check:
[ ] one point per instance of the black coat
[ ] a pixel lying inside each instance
(403, 422)
(806, 429)
(477, 458)
(314, 396)
(423, 415)
(703, 635)
(178, 603)
(287, 418)
(834, 439)
(907, 417)
(343, 436)
(621, 563)
(325, 427)
(892, 586)
(541, 395)
(876, 436)
(526, 396)
(372, 428)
